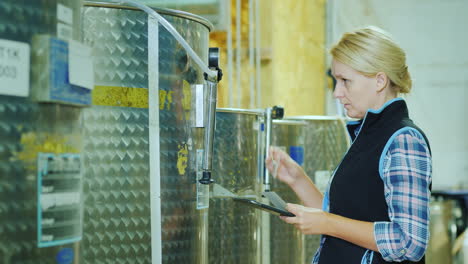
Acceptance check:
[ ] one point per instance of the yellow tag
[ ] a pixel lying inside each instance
(129, 97)
(182, 158)
(187, 99)
(120, 96)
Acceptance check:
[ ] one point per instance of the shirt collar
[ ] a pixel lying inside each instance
(358, 123)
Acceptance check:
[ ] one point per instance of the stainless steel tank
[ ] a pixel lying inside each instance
(117, 218)
(20, 20)
(439, 249)
(286, 242)
(233, 235)
(40, 149)
(326, 141)
(32, 233)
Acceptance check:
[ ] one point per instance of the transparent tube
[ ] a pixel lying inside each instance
(173, 31)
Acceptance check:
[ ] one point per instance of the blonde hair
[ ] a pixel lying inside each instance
(371, 50)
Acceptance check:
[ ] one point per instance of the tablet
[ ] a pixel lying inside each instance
(264, 207)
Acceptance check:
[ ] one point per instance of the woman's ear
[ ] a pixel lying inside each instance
(382, 81)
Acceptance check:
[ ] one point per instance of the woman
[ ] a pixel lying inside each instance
(376, 208)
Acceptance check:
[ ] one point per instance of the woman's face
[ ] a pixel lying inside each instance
(356, 92)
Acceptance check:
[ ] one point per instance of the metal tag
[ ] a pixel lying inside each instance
(199, 105)
(14, 68)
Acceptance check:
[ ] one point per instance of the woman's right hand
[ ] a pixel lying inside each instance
(282, 166)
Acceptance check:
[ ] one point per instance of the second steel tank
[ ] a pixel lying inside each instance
(233, 236)
(287, 243)
(325, 141)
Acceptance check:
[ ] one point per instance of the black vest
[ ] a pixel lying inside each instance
(357, 190)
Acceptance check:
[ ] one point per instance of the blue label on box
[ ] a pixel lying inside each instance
(65, 256)
(297, 154)
(61, 89)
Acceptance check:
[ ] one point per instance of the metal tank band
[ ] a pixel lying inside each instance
(258, 112)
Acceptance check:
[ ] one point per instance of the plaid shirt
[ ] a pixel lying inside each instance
(406, 172)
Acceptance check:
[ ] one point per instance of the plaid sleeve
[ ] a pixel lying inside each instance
(406, 170)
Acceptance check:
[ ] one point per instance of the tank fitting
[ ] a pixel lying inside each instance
(211, 86)
(275, 112)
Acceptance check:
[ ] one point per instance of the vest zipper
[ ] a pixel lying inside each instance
(368, 257)
(337, 167)
(333, 176)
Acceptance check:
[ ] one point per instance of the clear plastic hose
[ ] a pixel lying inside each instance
(153, 14)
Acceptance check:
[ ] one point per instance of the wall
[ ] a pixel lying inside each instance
(292, 37)
(294, 33)
(433, 33)
(292, 71)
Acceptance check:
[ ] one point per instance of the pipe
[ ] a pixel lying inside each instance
(153, 14)
(268, 125)
(209, 132)
(257, 54)
(251, 55)
(211, 86)
(230, 56)
(238, 53)
(275, 112)
(212, 78)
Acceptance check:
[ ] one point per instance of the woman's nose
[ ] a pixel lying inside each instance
(338, 92)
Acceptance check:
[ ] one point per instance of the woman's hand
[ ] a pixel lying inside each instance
(310, 221)
(282, 166)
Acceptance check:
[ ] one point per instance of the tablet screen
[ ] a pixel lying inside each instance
(264, 207)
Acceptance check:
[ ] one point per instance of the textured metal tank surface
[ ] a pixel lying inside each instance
(232, 231)
(441, 241)
(20, 20)
(117, 186)
(286, 241)
(28, 130)
(325, 141)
